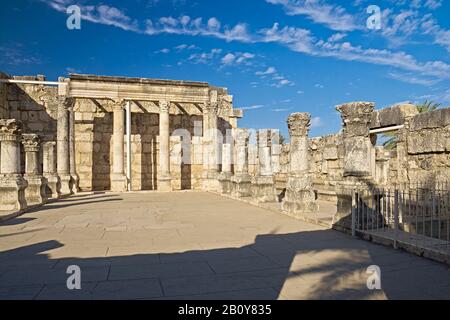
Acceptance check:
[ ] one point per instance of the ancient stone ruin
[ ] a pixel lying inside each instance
(90, 133)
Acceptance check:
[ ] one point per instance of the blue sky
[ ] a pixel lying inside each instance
(274, 56)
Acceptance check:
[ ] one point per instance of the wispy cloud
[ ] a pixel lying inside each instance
(14, 56)
(102, 14)
(254, 107)
(320, 12)
(411, 78)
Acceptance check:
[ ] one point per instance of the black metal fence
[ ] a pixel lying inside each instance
(416, 215)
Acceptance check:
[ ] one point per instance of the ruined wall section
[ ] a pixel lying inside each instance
(427, 140)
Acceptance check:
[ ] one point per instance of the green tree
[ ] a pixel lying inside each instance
(391, 137)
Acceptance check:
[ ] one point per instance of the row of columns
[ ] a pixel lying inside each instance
(58, 176)
(299, 197)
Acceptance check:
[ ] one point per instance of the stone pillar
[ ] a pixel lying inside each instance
(49, 164)
(357, 155)
(62, 145)
(210, 144)
(225, 175)
(35, 193)
(12, 184)
(275, 151)
(164, 177)
(72, 162)
(263, 184)
(300, 197)
(241, 180)
(118, 178)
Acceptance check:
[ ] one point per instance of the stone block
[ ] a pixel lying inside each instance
(426, 140)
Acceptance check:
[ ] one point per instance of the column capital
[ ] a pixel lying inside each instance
(10, 129)
(241, 136)
(31, 142)
(356, 117)
(119, 104)
(65, 101)
(164, 106)
(299, 123)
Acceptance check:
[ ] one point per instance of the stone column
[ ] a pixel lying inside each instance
(62, 145)
(263, 184)
(300, 197)
(35, 193)
(12, 184)
(210, 144)
(164, 177)
(225, 175)
(357, 154)
(275, 151)
(118, 178)
(72, 162)
(241, 180)
(49, 164)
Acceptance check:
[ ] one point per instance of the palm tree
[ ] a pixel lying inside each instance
(426, 106)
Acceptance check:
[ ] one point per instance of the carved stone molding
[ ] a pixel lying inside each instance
(164, 106)
(241, 136)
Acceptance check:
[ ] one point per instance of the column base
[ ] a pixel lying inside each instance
(12, 192)
(300, 197)
(210, 181)
(65, 182)
(263, 189)
(164, 184)
(74, 181)
(118, 182)
(241, 185)
(225, 184)
(53, 186)
(35, 193)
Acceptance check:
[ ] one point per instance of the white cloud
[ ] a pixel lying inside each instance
(237, 58)
(268, 71)
(164, 50)
(411, 78)
(204, 57)
(254, 107)
(320, 12)
(101, 14)
(281, 109)
(318, 85)
(185, 25)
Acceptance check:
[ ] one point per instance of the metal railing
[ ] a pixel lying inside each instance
(416, 215)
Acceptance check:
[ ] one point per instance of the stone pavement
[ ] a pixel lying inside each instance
(194, 245)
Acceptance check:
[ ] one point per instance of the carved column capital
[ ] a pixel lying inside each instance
(119, 104)
(66, 102)
(10, 129)
(299, 123)
(164, 106)
(31, 142)
(356, 117)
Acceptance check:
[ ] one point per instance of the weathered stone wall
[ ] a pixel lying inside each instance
(35, 106)
(427, 139)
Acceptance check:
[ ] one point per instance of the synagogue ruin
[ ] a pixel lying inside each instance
(95, 133)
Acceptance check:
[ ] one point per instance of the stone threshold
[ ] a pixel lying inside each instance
(402, 244)
(275, 207)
